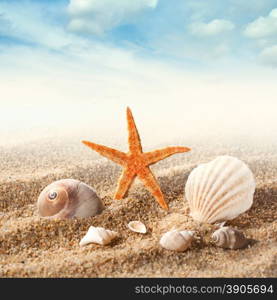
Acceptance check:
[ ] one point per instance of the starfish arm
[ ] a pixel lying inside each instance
(124, 183)
(110, 153)
(150, 182)
(155, 156)
(133, 139)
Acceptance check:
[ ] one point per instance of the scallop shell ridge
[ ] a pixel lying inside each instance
(220, 190)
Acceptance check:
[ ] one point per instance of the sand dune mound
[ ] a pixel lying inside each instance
(36, 247)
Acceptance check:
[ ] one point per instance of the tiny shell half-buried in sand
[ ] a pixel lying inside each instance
(69, 198)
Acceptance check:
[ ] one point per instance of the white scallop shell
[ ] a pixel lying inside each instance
(98, 235)
(137, 226)
(176, 240)
(227, 237)
(220, 190)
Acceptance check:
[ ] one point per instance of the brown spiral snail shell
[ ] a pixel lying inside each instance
(69, 198)
(227, 237)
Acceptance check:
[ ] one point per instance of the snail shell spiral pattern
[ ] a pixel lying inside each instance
(69, 198)
(227, 237)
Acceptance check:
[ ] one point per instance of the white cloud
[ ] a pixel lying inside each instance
(89, 83)
(86, 93)
(263, 26)
(97, 16)
(269, 56)
(213, 28)
(27, 23)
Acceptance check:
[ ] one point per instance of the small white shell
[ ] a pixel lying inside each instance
(98, 235)
(137, 226)
(220, 190)
(227, 237)
(176, 240)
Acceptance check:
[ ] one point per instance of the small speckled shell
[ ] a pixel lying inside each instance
(71, 198)
(137, 226)
(220, 190)
(98, 235)
(227, 237)
(176, 240)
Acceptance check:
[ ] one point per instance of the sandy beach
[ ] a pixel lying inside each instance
(31, 246)
(197, 75)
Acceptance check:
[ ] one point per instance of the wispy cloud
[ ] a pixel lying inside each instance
(98, 16)
(263, 26)
(263, 31)
(268, 56)
(28, 22)
(53, 77)
(215, 27)
(194, 33)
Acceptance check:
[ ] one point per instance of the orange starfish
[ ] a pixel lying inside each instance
(136, 163)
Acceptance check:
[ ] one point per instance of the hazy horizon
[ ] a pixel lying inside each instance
(209, 74)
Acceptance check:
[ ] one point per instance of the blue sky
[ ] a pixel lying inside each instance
(109, 53)
(190, 33)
